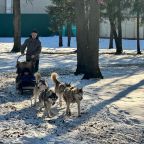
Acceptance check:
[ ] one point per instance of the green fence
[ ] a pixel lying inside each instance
(28, 23)
(73, 30)
(40, 22)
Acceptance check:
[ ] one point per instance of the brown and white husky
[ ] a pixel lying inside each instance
(72, 95)
(59, 87)
(69, 93)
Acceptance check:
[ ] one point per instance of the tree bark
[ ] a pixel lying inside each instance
(81, 36)
(69, 29)
(114, 34)
(111, 39)
(138, 39)
(60, 38)
(16, 25)
(119, 48)
(92, 55)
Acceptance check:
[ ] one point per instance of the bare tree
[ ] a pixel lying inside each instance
(81, 26)
(88, 15)
(16, 25)
(92, 53)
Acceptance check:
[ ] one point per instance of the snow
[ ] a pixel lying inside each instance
(52, 42)
(112, 108)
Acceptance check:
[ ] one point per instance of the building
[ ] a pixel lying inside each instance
(27, 6)
(33, 16)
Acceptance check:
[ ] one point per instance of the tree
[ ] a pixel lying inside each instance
(111, 39)
(119, 19)
(137, 9)
(138, 37)
(81, 36)
(92, 65)
(115, 11)
(88, 31)
(56, 20)
(110, 11)
(16, 25)
(69, 32)
(61, 13)
(69, 18)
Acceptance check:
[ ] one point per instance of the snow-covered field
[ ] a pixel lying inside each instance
(52, 42)
(112, 108)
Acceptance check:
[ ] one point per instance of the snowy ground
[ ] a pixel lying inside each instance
(52, 42)
(112, 108)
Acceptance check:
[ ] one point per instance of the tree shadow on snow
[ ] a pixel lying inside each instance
(63, 126)
(28, 114)
(8, 93)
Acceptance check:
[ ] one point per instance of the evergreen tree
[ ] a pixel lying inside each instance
(61, 13)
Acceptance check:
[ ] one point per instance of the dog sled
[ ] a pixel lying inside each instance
(25, 80)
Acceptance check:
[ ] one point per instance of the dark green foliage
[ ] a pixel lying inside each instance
(61, 13)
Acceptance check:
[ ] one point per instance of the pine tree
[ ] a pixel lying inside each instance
(61, 13)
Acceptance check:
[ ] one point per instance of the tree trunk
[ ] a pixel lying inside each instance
(111, 39)
(119, 48)
(69, 29)
(60, 38)
(81, 37)
(92, 55)
(17, 26)
(138, 39)
(114, 34)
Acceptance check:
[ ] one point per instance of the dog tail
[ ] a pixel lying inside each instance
(54, 78)
(37, 77)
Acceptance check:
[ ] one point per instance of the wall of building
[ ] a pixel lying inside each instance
(34, 7)
(27, 6)
(38, 7)
(40, 22)
(2, 6)
(129, 29)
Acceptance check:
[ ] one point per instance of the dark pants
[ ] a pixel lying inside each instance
(36, 64)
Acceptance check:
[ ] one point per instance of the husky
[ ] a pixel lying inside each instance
(72, 95)
(40, 86)
(59, 87)
(47, 98)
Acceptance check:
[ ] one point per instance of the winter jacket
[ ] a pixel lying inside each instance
(33, 48)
